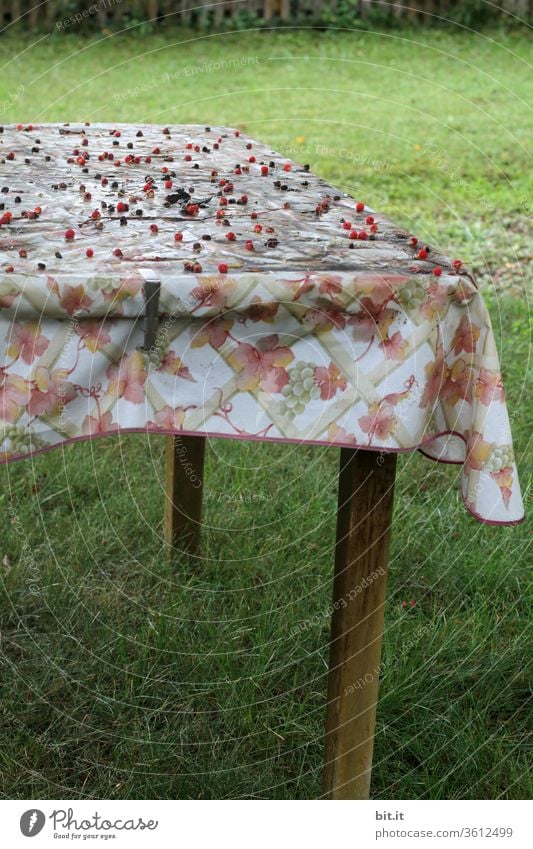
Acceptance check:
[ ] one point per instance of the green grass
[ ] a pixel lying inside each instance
(126, 676)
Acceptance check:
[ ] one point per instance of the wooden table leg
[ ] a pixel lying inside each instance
(366, 487)
(183, 506)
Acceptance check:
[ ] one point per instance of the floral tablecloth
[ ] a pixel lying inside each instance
(288, 310)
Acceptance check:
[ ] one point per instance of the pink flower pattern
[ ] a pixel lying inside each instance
(282, 336)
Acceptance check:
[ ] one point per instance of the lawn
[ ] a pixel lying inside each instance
(128, 676)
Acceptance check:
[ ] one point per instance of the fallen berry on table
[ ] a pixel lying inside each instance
(89, 252)
(437, 271)
(223, 268)
(154, 228)
(457, 264)
(422, 254)
(359, 206)
(117, 252)
(69, 234)
(249, 245)
(369, 219)
(231, 236)
(264, 170)
(362, 234)
(178, 237)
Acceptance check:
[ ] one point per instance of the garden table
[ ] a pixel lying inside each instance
(189, 281)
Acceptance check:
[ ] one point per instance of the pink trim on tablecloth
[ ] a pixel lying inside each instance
(284, 440)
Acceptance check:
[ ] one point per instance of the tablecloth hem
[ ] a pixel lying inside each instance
(251, 438)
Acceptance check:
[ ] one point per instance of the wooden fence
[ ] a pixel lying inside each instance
(69, 15)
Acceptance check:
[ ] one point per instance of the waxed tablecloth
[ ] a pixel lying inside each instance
(288, 310)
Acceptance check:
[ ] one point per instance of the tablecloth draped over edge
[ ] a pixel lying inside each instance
(384, 362)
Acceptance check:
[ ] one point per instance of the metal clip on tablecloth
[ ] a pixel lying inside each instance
(152, 291)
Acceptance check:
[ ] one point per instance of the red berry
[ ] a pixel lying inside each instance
(23, 253)
(117, 252)
(197, 268)
(264, 170)
(89, 252)
(230, 236)
(69, 234)
(373, 228)
(121, 207)
(168, 184)
(457, 264)
(422, 254)
(11, 157)
(178, 237)
(346, 225)
(287, 167)
(413, 241)
(437, 271)
(154, 228)
(369, 219)
(156, 150)
(244, 198)
(10, 268)
(249, 245)
(352, 234)
(95, 215)
(362, 234)
(251, 159)
(223, 268)
(359, 206)
(258, 228)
